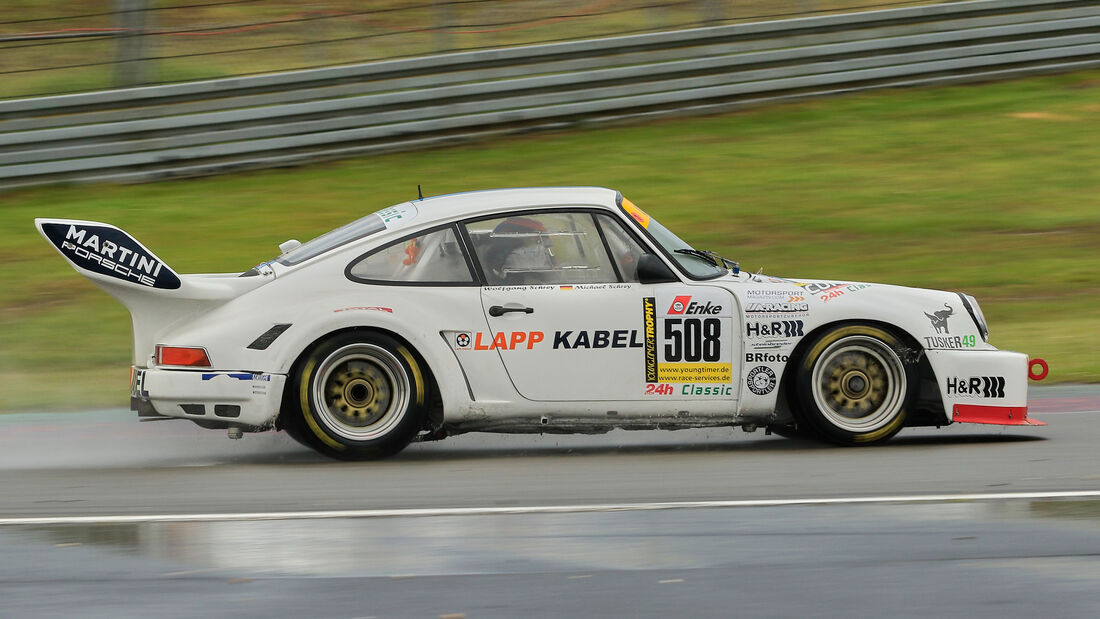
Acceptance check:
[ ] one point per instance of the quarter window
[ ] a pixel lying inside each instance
(624, 249)
(436, 257)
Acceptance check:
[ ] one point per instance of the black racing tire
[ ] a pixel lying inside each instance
(853, 385)
(357, 396)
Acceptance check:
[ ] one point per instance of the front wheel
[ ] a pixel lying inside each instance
(358, 396)
(853, 387)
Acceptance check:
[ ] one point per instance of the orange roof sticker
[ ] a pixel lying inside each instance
(638, 214)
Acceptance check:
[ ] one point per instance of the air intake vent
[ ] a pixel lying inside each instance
(227, 410)
(268, 337)
(194, 409)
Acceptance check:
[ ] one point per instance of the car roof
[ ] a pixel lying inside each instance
(449, 207)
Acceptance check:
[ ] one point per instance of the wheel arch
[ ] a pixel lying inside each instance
(435, 402)
(927, 395)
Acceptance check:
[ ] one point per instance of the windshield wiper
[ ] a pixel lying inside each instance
(712, 258)
(702, 255)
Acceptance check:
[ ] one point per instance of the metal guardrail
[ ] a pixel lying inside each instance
(281, 119)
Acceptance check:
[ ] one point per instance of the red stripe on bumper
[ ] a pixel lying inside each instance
(997, 415)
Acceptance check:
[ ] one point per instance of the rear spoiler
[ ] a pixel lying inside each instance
(157, 297)
(106, 254)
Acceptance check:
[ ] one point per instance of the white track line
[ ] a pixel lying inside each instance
(543, 509)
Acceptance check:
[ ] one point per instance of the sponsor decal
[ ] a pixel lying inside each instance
(977, 386)
(951, 342)
(819, 287)
(833, 293)
(638, 214)
(764, 357)
(761, 380)
(939, 318)
(777, 308)
(372, 308)
(679, 304)
(776, 328)
(695, 372)
(649, 323)
(397, 216)
(106, 250)
(515, 340)
(770, 293)
(662, 389)
(695, 390)
(825, 291)
(687, 337)
(690, 390)
(684, 305)
(769, 344)
(237, 375)
(619, 338)
(561, 340)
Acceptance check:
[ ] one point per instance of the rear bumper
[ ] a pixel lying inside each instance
(239, 398)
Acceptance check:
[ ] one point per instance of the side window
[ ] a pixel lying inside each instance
(625, 251)
(435, 257)
(541, 248)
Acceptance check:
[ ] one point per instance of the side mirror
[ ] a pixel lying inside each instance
(652, 270)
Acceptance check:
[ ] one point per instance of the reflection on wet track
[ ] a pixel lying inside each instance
(538, 543)
(979, 558)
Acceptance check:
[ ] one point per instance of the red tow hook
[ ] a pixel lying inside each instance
(1044, 369)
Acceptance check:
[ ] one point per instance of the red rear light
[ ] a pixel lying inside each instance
(182, 355)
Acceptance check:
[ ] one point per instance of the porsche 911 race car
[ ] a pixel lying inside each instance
(556, 310)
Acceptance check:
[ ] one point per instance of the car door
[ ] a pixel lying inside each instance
(570, 321)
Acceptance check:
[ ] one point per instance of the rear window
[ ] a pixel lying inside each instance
(387, 218)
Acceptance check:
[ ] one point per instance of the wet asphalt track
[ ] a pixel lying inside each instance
(980, 558)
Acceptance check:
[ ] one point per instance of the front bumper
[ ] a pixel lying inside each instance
(238, 398)
(983, 386)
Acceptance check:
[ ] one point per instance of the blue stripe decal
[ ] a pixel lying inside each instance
(237, 376)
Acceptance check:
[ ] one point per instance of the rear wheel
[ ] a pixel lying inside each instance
(853, 387)
(359, 396)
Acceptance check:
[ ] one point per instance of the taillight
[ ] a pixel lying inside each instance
(192, 356)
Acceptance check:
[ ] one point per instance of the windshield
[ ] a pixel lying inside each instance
(695, 264)
(392, 217)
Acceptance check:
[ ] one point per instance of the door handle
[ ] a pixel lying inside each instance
(498, 310)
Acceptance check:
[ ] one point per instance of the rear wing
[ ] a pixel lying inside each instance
(106, 254)
(158, 298)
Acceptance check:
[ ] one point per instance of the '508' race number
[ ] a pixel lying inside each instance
(687, 337)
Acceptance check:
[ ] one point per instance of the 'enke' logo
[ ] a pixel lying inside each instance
(679, 304)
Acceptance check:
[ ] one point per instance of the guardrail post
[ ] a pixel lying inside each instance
(444, 19)
(711, 11)
(131, 67)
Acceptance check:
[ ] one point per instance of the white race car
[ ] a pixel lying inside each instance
(558, 310)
